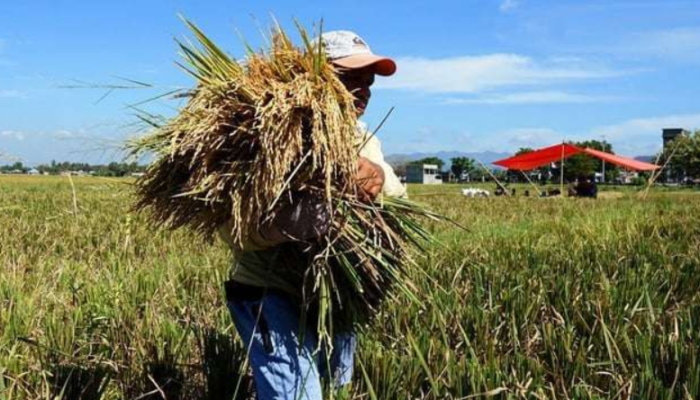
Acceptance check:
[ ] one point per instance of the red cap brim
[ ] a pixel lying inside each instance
(383, 66)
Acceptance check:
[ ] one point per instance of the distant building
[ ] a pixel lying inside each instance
(33, 171)
(423, 173)
(448, 177)
(671, 134)
(625, 177)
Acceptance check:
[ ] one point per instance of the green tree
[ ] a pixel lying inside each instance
(112, 169)
(462, 165)
(685, 162)
(430, 160)
(585, 165)
(17, 166)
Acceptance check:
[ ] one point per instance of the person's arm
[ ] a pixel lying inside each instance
(392, 187)
(307, 216)
(370, 179)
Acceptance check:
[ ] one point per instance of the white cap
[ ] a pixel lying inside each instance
(347, 49)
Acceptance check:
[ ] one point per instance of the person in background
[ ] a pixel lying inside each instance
(594, 187)
(586, 187)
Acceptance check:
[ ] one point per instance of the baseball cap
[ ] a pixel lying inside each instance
(347, 49)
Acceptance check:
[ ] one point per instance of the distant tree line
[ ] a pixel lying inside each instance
(17, 166)
(682, 158)
(575, 167)
(115, 169)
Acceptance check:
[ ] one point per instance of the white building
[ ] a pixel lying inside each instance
(423, 173)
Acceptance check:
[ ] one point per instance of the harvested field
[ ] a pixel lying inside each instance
(542, 298)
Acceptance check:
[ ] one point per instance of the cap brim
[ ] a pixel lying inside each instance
(383, 66)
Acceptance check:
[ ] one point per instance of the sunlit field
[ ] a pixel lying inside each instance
(538, 298)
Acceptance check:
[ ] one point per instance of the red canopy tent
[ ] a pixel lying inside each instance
(624, 162)
(547, 155)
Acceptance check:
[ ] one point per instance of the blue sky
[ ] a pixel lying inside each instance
(473, 75)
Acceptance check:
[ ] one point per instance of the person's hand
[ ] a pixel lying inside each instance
(307, 217)
(369, 179)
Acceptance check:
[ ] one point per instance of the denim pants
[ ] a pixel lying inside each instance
(282, 368)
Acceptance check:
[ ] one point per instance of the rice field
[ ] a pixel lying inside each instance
(541, 298)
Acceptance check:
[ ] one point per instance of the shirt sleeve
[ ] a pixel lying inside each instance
(393, 187)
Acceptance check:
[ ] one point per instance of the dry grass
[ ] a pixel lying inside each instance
(252, 132)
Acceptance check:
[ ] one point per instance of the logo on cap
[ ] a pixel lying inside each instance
(358, 42)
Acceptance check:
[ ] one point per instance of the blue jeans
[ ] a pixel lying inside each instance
(282, 369)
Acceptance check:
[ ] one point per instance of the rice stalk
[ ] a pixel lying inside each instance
(254, 134)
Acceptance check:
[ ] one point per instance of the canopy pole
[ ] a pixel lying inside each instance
(655, 174)
(539, 193)
(561, 172)
(602, 177)
(494, 177)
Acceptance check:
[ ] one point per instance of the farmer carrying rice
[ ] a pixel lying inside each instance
(264, 293)
(268, 152)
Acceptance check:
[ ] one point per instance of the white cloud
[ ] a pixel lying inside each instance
(508, 5)
(526, 137)
(17, 135)
(545, 97)
(642, 136)
(510, 140)
(21, 135)
(11, 94)
(680, 44)
(63, 134)
(633, 137)
(473, 74)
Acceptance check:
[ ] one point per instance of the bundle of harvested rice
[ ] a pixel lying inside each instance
(253, 135)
